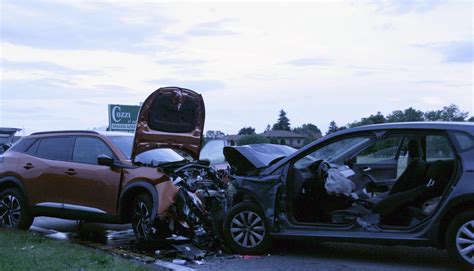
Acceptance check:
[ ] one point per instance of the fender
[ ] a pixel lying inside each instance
(452, 208)
(249, 193)
(128, 192)
(10, 181)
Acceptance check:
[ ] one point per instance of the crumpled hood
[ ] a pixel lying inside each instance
(248, 159)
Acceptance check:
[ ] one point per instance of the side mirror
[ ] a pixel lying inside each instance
(104, 160)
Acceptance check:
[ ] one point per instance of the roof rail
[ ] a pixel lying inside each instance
(66, 131)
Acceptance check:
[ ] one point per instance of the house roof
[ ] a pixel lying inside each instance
(282, 133)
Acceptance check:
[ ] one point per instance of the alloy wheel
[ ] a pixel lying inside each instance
(10, 211)
(143, 217)
(247, 229)
(465, 241)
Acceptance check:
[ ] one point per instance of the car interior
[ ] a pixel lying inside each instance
(400, 179)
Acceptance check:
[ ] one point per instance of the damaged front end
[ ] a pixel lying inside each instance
(198, 208)
(200, 204)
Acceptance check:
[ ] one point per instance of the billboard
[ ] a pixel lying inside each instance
(123, 117)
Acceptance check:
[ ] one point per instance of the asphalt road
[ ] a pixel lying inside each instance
(297, 255)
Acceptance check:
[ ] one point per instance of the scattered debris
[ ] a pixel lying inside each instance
(179, 261)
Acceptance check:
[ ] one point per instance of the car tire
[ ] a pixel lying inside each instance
(142, 217)
(246, 230)
(14, 213)
(460, 239)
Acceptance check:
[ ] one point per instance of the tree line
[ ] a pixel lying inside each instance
(311, 131)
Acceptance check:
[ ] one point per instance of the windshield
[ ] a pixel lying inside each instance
(151, 157)
(333, 151)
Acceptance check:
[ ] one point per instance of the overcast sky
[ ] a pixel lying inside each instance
(62, 62)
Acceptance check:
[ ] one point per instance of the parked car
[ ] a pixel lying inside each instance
(7, 138)
(401, 183)
(117, 177)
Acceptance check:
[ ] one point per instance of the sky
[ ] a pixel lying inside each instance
(63, 62)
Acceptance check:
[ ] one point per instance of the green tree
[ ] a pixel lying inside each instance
(247, 131)
(448, 113)
(334, 128)
(252, 139)
(372, 119)
(409, 114)
(283, 123)
(310, 131)
(471, 119)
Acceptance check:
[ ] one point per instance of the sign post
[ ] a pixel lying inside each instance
(123, 117)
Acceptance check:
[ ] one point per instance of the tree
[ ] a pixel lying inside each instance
(310, 131)
(247, 131)
(268, 129)
(334, 128)
(409, 114)
(283, 122)
(471, 119)
(252, 139)
(372, 119)
(214, 134)
(448, 113)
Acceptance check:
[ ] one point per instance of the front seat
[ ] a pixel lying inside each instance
(413, 176)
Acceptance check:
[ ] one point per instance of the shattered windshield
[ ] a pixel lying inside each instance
(151, 157)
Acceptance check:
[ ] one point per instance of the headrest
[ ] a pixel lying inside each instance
(414, 149)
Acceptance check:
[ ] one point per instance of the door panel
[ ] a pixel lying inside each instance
(90, 186)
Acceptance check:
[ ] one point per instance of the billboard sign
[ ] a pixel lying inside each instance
(123, 117)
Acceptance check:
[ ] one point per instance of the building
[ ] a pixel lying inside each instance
(284, 137)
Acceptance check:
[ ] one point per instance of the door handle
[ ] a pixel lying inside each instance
(70, 171)
(28, 166)
(366, 169)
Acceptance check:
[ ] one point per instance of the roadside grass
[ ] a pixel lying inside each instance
(21, 250)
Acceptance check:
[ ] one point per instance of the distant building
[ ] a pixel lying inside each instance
(284, 137)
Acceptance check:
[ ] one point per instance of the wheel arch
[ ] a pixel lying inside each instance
(130, 192)
(13, 182)
(458, 206)
(244, 195)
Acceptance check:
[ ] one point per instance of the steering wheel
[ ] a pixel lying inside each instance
(320, 169)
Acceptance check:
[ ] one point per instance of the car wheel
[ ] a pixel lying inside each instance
(246, 230)
(460, 239)
(13, 210)
(142, 217)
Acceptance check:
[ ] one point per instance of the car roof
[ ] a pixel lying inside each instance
(426, 125)
(438, 125)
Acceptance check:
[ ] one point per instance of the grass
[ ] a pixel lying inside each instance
(28, 251)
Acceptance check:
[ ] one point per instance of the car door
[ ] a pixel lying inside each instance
(87, 186)
(382, 160)
(42, 169)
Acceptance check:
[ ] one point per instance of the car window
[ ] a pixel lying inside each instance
(438, 148)
(382, 150)
(23, 145)
(464, 140)
(87, 149)
(333, 151)
(56, 148)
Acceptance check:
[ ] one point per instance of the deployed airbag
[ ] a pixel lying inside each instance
(338, 184)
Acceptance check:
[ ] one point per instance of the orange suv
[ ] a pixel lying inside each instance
(110, 177)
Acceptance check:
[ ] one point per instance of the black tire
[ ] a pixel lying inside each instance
(460, 239)
(142, 217)
(246, 230)
(14, 213)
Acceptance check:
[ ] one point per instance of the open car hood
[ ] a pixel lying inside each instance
(7, 134)
(249, 159)
(170, 117)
